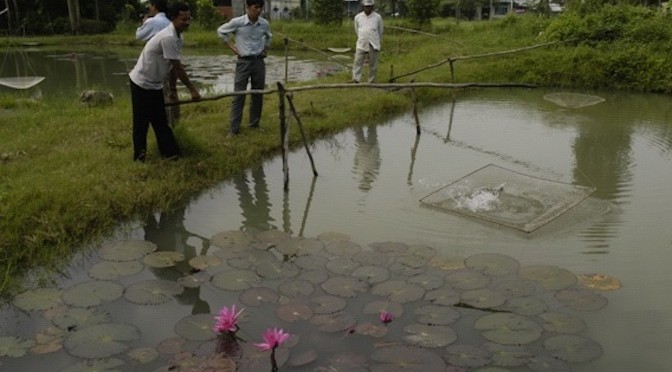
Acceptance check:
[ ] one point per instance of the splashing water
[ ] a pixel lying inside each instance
(483, 199)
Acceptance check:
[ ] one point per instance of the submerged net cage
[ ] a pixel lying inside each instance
(508, 198)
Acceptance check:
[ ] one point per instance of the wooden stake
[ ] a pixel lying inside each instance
(303, 134)
(283, 130)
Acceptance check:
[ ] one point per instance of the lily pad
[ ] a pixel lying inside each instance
(545, 363)
(581, 299)
(562, 323)
(525, 305)
(370, 329)
(231, 238)
(483, 298)
(436, 315)
(378, 306)
(312, 262)
(494, 264)
(300, 246)
(38, 299)
(342, 266)
(302, 359)
(427, 281)
(314, 276)
(333, 236)
(409, 359)
(508, 355)
(344, 287)
(551, 278)
(467, 356)
(293, 288)
(447, 263)
(235, 280)
(251, 259)
(345, 362)
(14, 347)
(276, 269)
(143, 355)
(508, 329)
(75, 318)
(105, 365)
(100, 340)
(92, 293)
(514, 287)
(126, 250)
(152, 292)
(328, 304)
(203, 262)
(371, 258)
(49, 340)
(467, 280)
(389, 248)
(600, 282)
(272, 236)
(196, 327)
(443, 296)
(294, 312)
(344, 248)
(572, 348)
(113, 270)
(335, 322)
(194, 280)
(429, 336)
(371, 274)
(410, 261)
(258, 296)
(399, 291)
(163, 259)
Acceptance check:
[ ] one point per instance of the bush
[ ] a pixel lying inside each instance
(92, 27)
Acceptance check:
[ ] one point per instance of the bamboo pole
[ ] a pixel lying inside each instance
(423, 33)
(283, 129)
(313, 49)
(303, 134)
(415, 110)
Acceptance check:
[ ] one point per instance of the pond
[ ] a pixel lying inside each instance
(322, 259)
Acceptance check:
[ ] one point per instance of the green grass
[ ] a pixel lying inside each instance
(66, 175)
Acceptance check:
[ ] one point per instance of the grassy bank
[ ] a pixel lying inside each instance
(66, 175)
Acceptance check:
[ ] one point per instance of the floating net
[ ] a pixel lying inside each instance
(508, 198)
(573, 100)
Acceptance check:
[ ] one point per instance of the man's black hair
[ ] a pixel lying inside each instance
(255, 2)
(161, 5)
(175, 9)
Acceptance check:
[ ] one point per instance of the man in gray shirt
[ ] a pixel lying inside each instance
(252, 34)
(155, 20)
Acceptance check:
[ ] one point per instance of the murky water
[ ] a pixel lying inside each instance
(369, 186)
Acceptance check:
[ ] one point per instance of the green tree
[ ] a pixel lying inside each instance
(422, 11)
(327, 12)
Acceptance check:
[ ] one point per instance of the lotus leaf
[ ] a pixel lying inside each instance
(345, 362)
(257, 296)
(195, 363)
(467, 356)
(152, 292)
(513, 287)
(333, 236)
(447, 263)
(143, 355)
(408, 359)
(328, 304)
(38, 299)
(427, 281)
(344, 287)
(443, 296)
(92, 293)
(303, 358)
(494, 264)
(600, 282)
(196, 327)
(113, 270)
(14, 347)
(342, 266)
(508, 356)
(344, 248)
(399, 291)
(483, 298)
(547, 364)
(389, 248)
(126, 250)
(370, 258)
(525, 305)
(376, 307)
(163, 259)
(410, 261)
(436, 315)
(420, 250)
(369, 329)
(312, 262)
(252, 259)
(273, 236)
(100, 340)
(300, 246)
(255, 360)
(76, 318)
(573, 348)
(467, 280)
(429, 336)
(335, 322)
(293, 288)
(194, 280)
(235, 280)
(172, 346)
(581, 299)
(277, 269)
(48, 340)
(103, 365)
(562, 323)
(371, 274)
(314, 276)
(401, 270)
(204, 262)
(551, 278)
(231, 239)
(508, 329)
(293, 312)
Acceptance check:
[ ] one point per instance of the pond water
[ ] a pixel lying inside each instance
(401, 255)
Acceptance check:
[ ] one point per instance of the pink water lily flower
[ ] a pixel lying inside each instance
(386, 317)
(227, 319)
(272, 339)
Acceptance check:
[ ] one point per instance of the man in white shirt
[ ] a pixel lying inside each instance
(159, 58)
(155, 20)
(369, 30)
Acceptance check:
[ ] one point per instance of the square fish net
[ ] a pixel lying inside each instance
(508, 198)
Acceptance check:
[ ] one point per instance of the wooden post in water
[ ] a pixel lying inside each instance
(415, 109)
(286, 58)
(303, 134)
(283, 130)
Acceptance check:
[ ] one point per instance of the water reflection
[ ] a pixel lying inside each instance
(167, 231)
(255, 207)
(367, 156)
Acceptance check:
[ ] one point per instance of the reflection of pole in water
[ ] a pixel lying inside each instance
(414, 150)
(367, 156)
(255, 209)
(450, 121)
(286, 216)
(305, 211)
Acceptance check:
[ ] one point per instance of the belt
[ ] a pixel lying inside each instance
(259, 56)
